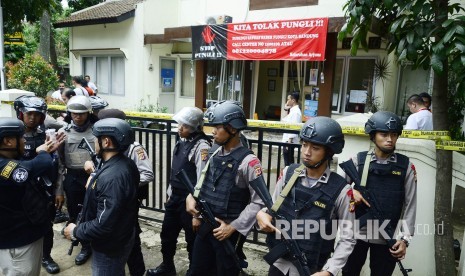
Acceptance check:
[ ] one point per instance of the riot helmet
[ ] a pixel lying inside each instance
(190, 116)
(79, 104)
(10, 127)
(383, 121)
(97, 103)
(118, 129)
(227, 113)
(26, 104)
(323, 131)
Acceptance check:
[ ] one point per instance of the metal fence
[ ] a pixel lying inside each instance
(159, 141)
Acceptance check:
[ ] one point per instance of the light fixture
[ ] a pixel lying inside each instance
(150, 67)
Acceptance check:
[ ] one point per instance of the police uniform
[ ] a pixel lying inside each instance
(227, 191)
(23, 214)
(138, 154)
(72, 177)
(190, 155)
(329, 198)
(33, 139)
(110, 212)
(393, 183)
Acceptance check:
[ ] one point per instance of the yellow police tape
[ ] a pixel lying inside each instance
(442, 138)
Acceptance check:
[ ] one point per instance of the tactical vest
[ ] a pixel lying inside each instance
(33, 140)
(181, 161)
(219, 189)
(386, 182)
(75, 157)
(315, 203)
(33, 199)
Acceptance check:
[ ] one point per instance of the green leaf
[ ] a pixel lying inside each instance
(395, 25)
(460, 46)
(438, 47)
(463, 59)
(436, 64)
(403, 55)
(447, 23)
(389, 4)
(410, 37)
(449, 34)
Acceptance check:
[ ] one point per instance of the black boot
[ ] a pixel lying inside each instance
(162, 270)
(50, 265)
(83, 256)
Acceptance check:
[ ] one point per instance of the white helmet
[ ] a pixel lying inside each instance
(79, 104)
(191, 116)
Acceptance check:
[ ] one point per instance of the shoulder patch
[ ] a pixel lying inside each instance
(20, 175)
(8, 169)
(414, 173)
(254, 162)
(141, 153)
(204, 154)
(350, 194)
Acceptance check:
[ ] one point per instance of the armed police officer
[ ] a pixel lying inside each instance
(227, 192)
(312, 193)
(24, 218)
(391, 178)
(191, 154)
(110, 208)
(72, 159)
(32, 111)
(138, 154)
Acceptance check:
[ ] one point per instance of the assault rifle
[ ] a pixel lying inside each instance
(287, 246)
(76, 242)
(374, 211)
(208, 217)
(84, 144)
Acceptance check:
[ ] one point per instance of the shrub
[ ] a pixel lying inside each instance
(32, 73)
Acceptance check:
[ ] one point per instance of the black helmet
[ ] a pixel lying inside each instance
(323, 131)
(227, 113)
(10, 127)
(97, 103)
(119, 129)
(25, 104)
(383, 121)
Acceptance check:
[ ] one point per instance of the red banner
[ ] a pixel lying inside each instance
(303, 39)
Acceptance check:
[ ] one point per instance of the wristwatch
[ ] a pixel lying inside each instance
(406, 240)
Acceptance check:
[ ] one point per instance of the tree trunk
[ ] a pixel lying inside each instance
(53, 52)
(45, 27)
(443, 239)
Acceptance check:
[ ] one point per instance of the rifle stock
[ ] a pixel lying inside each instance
(349, 168)
(84, 144)
(208, 217)
(291, 246)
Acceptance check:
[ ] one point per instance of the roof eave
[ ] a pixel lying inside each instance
(97, 21)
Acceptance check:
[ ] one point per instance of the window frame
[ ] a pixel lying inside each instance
(94, 78)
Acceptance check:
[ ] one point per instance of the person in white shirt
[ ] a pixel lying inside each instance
(421, 118)
(57, 94)
(294, 116)
(91, 84)
(79, 90)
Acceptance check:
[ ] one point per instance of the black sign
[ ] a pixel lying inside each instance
(209, 42)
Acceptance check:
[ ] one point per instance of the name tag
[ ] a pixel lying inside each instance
(320, 204)
(8, 169)
(396, 172)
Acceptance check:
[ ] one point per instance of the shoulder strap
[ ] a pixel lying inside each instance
(287, 188)
(202, 175)
(366, 166)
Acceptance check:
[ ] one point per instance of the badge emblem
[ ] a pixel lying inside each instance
(20, 175)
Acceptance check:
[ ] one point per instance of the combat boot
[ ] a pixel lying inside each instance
(162, 270)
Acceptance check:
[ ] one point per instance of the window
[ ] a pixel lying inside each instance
(188, 78)
(107, 72)
(167, 75)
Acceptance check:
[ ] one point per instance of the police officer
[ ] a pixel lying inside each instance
(190, 154)
(32, 111)
(312, 193)
(110, 208)
(97, 104)
(227, 191)
(391, 178)
(138, 154)
(24, 218)
(72, 159)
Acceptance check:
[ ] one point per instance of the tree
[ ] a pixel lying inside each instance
(32, 73)
(15, 11)
(431, 34)
(78, 5)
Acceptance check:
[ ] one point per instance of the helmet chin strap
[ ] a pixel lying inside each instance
(328, 157)
(101, 149)
(383, 150)
(231, 135)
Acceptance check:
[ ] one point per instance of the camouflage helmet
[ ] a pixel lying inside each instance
(97, 103)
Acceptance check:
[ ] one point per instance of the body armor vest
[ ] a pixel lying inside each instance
(219, 189)
(386, 182)
(33, 140)
(75, 157)
(315, 203)
(181, 161)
